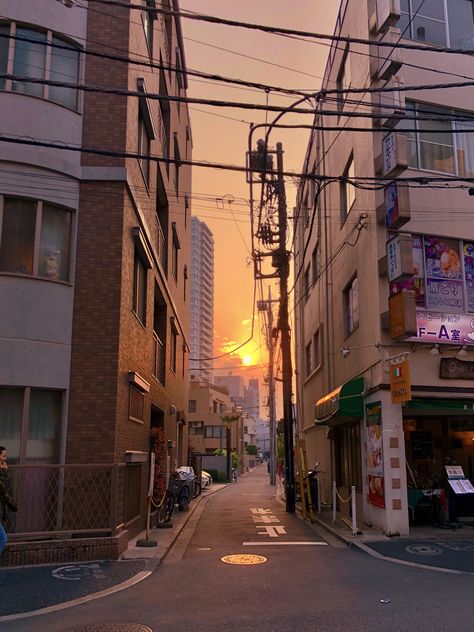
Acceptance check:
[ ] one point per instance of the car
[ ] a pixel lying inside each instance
(206, 479)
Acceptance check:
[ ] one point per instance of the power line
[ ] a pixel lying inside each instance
(21, 140)
(277, 30)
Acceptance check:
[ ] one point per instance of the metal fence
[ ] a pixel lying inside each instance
(58, 499)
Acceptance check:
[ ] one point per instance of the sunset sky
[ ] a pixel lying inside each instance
(241, 53)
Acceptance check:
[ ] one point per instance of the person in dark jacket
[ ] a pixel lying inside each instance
(6, 500)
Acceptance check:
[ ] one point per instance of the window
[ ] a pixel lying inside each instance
(192, 406)
(461, 23)
(423, 22)
(29, 60)
(4, 43)
(29, 53)
(186, 210)
(343, 80)
(214, 432)
(347, 190)
(175, 254)
(308, 359)
(137, 404)
(196, 428)
(144, 147)
(315, 264)
(306, 285)
(139, 288)
(148, 22)
(317, 356)
(185, 280)
(177, 165)
(215, 406)
(351, 306)
(165, 117)
(64, 67)
(441, 150)
(22, 251)
(34, 437)
(173, 350)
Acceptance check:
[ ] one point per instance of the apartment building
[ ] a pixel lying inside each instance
(384, 291)
(94, 260)
(201, 330)
(209, 406)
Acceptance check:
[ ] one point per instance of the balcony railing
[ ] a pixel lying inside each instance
(158, 358)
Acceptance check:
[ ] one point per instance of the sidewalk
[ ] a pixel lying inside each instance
(32, 590)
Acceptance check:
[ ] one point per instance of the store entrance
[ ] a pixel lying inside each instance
(432, 443)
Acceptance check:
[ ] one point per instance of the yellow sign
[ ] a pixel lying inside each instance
(400, 384)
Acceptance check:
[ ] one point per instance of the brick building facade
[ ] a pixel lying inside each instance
(108, 338)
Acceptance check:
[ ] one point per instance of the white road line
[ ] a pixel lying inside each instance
(284, 543)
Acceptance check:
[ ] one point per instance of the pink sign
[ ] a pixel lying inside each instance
(437, 327)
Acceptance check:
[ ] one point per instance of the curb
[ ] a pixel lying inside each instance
(150, 568)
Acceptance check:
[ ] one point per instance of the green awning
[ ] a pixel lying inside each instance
(439, 406)
(343, 405)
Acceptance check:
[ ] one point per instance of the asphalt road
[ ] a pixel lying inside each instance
(304, 584)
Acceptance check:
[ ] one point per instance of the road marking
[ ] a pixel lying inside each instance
(272, 530)
(77, 572)
(265, 519)
(284, 543)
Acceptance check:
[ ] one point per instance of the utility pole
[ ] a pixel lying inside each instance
(284, 327)
(271, 391)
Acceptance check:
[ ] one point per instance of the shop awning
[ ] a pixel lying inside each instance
(343, 405)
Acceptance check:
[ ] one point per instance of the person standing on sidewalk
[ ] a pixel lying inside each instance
(6, 500)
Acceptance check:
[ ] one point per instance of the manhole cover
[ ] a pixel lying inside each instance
(243, 559)
(424, 549)
(112, 627)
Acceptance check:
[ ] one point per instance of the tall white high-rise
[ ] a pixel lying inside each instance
(201, 333)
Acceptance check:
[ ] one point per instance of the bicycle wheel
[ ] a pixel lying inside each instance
(184, 498)
(169, 506)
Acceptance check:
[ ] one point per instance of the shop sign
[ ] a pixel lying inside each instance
(454, 369)
(397, 209)
(402, 310)
(394, 150)
(375, 474)
(399, 257)
(468, 251)
(441, 327)
(400, 383)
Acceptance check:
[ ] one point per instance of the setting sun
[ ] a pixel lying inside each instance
(247, 360)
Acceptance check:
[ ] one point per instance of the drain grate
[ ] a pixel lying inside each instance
(111, 627)
(242, 559)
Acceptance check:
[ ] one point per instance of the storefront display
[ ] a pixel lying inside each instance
(375, 472)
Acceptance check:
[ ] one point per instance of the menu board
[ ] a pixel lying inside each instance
(461, 486)
(454, 471)
(375, 474)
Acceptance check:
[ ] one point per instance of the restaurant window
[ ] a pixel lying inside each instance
(137, 404)
(33, 437)
(351, 306)
(35, 238)
(447, 149)
(347, 189)
(139, 288)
